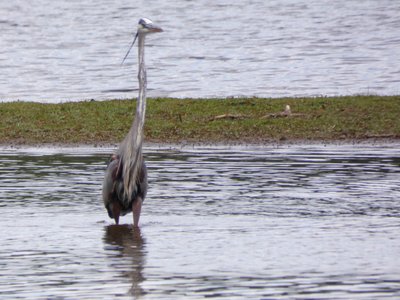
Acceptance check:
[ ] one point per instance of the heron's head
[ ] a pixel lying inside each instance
(147, 26)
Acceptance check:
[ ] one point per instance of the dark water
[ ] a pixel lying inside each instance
(304, 222)
(55, 51)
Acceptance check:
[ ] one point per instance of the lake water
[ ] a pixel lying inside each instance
(55, 51)
(306, 221)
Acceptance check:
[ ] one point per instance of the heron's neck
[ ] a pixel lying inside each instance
(138, 123)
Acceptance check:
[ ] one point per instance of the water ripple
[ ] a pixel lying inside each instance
(72, 51)
(234, 222)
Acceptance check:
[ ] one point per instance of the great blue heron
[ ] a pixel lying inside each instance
(125, 180)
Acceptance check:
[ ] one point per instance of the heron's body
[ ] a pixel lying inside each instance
(125, 181)
(113, 190)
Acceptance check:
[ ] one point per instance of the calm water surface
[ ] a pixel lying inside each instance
(55, 51)
(311, 221)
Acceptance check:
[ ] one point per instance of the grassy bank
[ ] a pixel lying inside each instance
(252, 120)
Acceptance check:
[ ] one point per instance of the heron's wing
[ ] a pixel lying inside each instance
(143, 181)
(109, 181)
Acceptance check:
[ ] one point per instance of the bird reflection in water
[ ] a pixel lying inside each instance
(127, 250)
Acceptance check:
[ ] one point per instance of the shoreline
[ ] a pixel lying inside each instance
(384, 142)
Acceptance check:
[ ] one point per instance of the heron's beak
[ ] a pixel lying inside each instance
(153, 28)
(127, 53)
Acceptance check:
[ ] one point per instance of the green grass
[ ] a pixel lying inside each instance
(193, 120)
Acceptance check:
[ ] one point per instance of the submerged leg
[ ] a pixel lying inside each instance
(136, 209)
(116, 209)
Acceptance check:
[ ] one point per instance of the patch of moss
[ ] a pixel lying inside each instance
(170, 120)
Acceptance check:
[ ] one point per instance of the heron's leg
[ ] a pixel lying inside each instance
(116, 209)
(136, 209)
